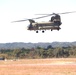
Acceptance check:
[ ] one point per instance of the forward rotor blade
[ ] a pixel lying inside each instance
(42, 16)
(31, 18)
(58, 13)
(67, 12)
(46, 15)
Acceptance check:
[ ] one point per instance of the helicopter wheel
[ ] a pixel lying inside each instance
(51, 30)
(36, 31)
(43, 31)
(58, 29)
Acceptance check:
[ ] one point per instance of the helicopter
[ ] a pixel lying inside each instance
(53, 24)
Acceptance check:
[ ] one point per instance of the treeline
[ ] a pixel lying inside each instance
(49, 52)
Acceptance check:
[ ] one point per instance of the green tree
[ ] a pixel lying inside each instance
(50, 53)
(16, 52)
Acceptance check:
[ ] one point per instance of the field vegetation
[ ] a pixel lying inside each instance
(39, 53)
(38, 61)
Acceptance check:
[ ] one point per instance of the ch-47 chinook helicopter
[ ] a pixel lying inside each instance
(53, 24)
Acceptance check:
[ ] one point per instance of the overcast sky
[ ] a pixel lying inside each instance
(11, 10)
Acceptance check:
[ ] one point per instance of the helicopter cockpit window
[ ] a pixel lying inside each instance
(52, 18)
(57, 17)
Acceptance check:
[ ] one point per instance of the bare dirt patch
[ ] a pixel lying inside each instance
(60, 66)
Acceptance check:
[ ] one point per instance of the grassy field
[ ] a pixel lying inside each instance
(53, 66)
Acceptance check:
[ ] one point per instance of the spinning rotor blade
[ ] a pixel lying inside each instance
(67, 12)
(18, 21)
(42, 16)
(32, 18)
(57, 13)
(46, 15)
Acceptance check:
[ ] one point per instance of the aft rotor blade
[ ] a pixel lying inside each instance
(20, 20)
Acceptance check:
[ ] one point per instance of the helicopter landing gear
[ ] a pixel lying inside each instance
(58, 29)
(43, 31)
(51, 30)
(36, 31)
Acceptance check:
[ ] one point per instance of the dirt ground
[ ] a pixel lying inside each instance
(53, 66)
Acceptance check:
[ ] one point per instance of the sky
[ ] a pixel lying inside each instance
(12, 10)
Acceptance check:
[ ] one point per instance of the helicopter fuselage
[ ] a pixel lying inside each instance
(44, 25)
(53, 24)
